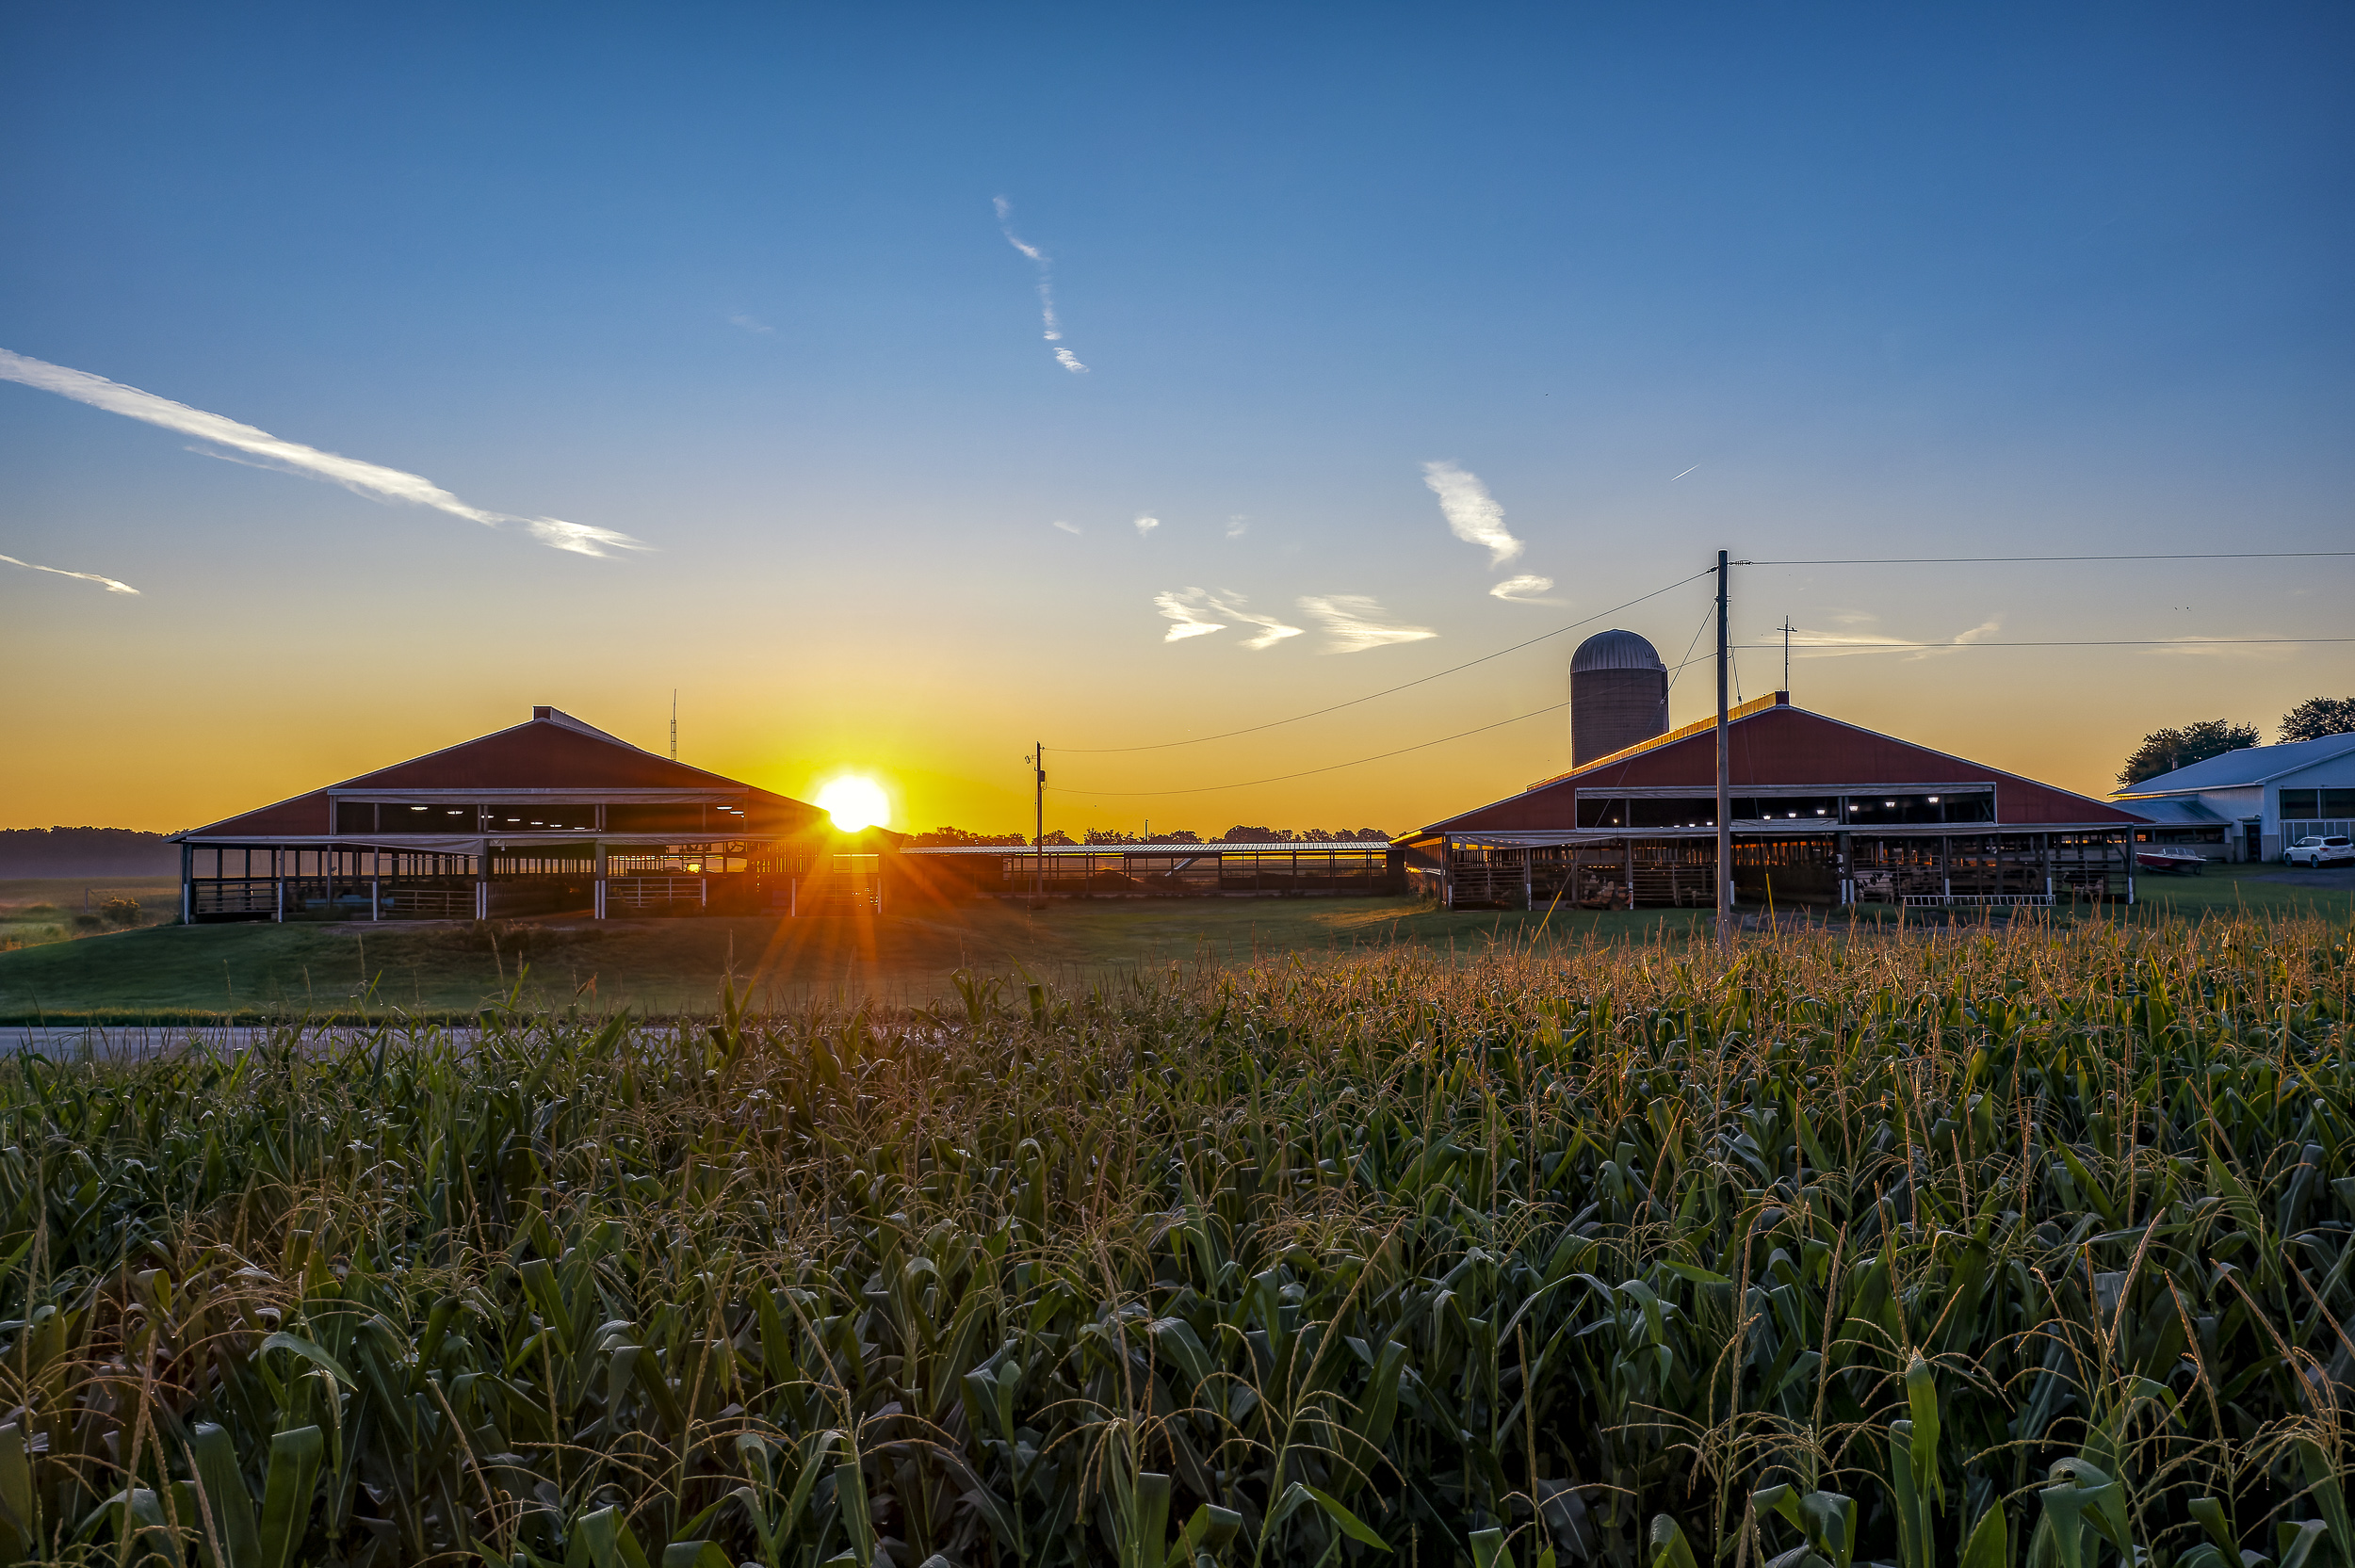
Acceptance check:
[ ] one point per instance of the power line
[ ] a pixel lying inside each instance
(1707, 616)
(1821, 647)
(1557, 707)
(1419, 746)
(2061, 642)
(1957, 560)
(1275, 723)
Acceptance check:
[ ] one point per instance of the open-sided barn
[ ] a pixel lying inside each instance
(550, 817)
(1822, 813)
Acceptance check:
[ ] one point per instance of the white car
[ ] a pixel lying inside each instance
(2337, 849)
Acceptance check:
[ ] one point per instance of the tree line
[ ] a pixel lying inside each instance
(2164, 751)
(949, 838)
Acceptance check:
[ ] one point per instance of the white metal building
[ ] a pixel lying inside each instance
(2269, 797)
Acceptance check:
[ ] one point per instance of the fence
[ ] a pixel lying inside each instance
(641, 894)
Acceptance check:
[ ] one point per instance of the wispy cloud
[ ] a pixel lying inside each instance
(2201, 648)
(366, 478)
(1834, 644)
(1272, 631)
(1147, 525)
(1351, 625)
(1191, 608)
(1038, 258)
(751, 324)
(1473, 514)
(1185, 608)
(1067, 528)
(1238, 525)
(107, 583)
(1526, 589)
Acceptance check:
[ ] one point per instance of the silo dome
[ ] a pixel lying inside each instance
(1618, 695)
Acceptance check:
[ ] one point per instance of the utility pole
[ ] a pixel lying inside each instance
(674, 723)
(1724, 772)
(1038, 759)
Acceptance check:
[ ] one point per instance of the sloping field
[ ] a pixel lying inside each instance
(216, 973)
(1966, 1250)
(668, 966)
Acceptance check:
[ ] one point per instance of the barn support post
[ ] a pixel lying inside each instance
(482, 883)
(278, 877)
(599, 877)
(376, 884)
(187, 885)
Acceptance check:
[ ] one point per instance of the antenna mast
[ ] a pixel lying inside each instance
(674, 723)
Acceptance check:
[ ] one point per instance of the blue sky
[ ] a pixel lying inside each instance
(729, 281)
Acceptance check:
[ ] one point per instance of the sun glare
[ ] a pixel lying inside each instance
(855, 803)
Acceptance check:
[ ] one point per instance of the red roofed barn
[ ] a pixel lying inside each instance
(1823, 811)
(550, 817)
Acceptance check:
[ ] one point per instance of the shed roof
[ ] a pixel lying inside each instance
(2249, 765)
(552, 751)
(2178, 811)
(1774, 745)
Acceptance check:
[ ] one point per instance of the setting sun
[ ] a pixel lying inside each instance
(855, 803)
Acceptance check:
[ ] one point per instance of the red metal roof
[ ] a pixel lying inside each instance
(552, 751)
(1775, 745)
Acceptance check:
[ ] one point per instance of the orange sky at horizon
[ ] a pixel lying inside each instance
(175, 754)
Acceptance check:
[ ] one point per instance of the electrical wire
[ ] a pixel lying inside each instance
(1557, 707)
(1706, 615)
(2059, 642)
(1275, 723)
(1957, 560)
(1731, 649)
(1335, 767)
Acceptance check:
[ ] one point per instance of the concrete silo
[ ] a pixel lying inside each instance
(1618, 695)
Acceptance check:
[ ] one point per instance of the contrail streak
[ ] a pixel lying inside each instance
(1064, 357)
(108, 583)
(366, 478)
(1674, 478)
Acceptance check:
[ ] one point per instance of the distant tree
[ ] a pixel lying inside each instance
(1179, 836)
(2317, 717)
(1242, 834)
(1109, 836)
(950, 839)
(1057, 837)
(87, 852)
(1372, 835)
(2164, 751)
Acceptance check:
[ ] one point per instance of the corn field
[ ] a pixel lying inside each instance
(1961, 1250)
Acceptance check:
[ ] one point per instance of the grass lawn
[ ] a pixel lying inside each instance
(169, 973)
(667, 966)
(36, 910)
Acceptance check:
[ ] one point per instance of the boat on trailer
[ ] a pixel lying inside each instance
(2163, 857)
